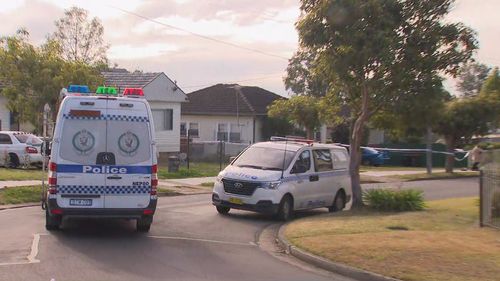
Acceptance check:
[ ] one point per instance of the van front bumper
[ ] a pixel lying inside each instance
(262, 206)
(124, 213)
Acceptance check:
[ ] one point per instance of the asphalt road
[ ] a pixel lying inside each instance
(188, 241)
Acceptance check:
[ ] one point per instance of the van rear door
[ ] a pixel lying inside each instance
(129, 141)
(82, 136)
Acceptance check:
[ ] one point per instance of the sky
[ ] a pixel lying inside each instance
(218, 41)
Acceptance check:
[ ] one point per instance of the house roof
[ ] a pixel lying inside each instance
(227, 99)
(124, 79)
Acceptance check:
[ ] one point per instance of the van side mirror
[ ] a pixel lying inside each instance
(45, 149)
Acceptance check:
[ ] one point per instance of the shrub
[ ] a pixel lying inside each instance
(394, 200)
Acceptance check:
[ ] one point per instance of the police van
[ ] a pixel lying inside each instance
(103, 158)
(285, 175)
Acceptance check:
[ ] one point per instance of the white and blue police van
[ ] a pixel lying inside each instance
(103, 161)
(284, 175)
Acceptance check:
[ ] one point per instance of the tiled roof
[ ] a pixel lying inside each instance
(124, 79)
(228, 99)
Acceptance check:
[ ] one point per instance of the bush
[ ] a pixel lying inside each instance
(489, 145)
(394, 200)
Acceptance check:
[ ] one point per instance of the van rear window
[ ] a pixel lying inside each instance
(82, 139)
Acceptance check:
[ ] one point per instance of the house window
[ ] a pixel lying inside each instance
(235, 133)
(193, 130)
(183, 129)
(163, 119)
(222, 132)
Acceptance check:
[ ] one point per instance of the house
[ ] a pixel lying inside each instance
(227, 112)
(165, 99)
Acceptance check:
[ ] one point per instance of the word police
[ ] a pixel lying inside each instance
(104, 170)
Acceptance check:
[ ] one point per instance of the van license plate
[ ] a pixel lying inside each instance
(80, 202)
(236, 201)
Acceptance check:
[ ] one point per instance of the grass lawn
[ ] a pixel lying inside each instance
(425, 176)
(21, 174)
(390, 168)
(199, 169)
(23, 194)
(443, 242)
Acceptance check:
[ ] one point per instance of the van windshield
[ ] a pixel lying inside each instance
(264, 158)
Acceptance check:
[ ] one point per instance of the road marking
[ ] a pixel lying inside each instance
(203, 240)
(31, 258)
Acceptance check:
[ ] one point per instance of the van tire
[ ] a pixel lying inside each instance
(339, 202)
(144, 224)
(13, 161)
(285, 210)
(52, 222)
(222, 210)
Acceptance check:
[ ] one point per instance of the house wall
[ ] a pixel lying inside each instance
(207, 126)
(163, 89)
(258, 129)
(168, 141)
(4, 115)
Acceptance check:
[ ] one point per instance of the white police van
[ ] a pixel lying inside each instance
(285, 175)
(103, 158)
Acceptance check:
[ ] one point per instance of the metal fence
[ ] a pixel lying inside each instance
(490, 189)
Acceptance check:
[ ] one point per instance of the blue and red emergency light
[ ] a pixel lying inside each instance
(133, 92)
(80, 89)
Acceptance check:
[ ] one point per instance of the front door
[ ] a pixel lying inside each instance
(128, 179)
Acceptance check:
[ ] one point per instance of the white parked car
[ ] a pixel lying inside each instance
(19, 149)
(280, 177)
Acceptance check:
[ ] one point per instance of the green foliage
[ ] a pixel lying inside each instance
(489, 145)
(394, 200)
(299, 110)
(471, 78)
(21, 194)
(81, 39)
(34, 75)
(278, 127)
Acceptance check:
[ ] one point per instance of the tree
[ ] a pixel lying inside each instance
(471, 77)
(81, 38)
(34, 75)
(302, 111)
(461, 119)
(373, 53)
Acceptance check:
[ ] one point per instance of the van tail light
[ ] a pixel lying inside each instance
(154, 179)
(56, 211)
(31, 150)
(52, 166)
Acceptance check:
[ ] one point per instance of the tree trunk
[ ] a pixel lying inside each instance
(450, 159)
(355, 151)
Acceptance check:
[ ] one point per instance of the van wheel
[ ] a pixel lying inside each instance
(52, 222)
(144, 224)
(13, 161)
(222, 210)
(338, 202)
(285, 211)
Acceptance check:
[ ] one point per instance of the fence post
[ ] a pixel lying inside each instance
(481, 199)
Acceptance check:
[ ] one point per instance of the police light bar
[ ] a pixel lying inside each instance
(133, 92)
(102, 90)
(292, 139)
(81, 89)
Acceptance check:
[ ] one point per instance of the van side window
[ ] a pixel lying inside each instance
(322, 160)
(303, 163)
(340, 160)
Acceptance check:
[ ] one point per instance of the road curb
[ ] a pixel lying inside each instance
(342, 269)
(18, 206)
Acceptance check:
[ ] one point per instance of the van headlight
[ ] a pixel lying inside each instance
(271, 185)
(219, 178)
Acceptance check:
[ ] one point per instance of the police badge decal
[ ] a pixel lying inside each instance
(128, 143)
(83, 142)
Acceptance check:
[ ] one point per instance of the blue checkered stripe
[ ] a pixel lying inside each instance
(103, 190)
(111, 117)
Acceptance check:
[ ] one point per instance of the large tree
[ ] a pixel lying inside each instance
(373, 52)
(471, 77)
(302, 111)
(35, 75)
(80, 37)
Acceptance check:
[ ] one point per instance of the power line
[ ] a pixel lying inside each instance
(236, 81)
(201, 35)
